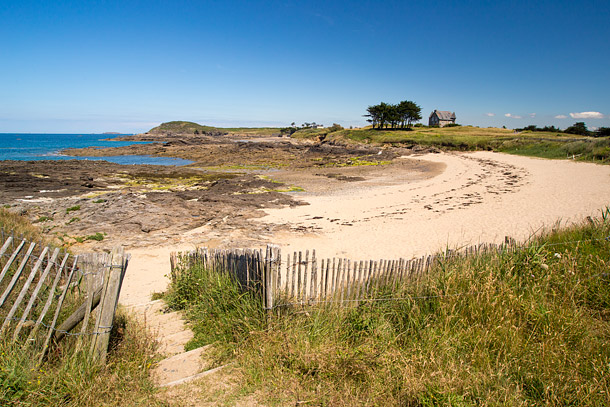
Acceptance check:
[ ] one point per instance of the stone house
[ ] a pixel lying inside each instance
(441, 118)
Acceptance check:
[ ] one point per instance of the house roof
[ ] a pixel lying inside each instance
(444, 115)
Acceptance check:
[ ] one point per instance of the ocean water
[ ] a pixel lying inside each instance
(29, 147)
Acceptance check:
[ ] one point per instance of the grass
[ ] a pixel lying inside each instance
(185, 127)
(175, 181)
(69, 378)
(258, 131)
(468, 138)
(523, 328)
(75, 380)
(180, 127)
(73, 209)
(10, 221)
(97, 237)
(357, 162)
(222, 312)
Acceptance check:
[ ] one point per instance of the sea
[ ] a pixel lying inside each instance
(30, 147)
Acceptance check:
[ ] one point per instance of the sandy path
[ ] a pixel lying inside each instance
(480, 197)
(146, 274)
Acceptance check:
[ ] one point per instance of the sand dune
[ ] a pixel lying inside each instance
(479, 197)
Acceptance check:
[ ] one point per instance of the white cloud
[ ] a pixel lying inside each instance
(513, 116)
(587, 115)
(490, 114)
(532, 115)
(561, 116)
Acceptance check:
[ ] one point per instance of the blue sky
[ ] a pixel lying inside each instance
(94, 66)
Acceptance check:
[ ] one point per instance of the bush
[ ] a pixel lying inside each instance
(578, 128)
(73, 209)
(602, 132)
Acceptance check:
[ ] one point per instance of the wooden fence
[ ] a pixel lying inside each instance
(304, 279)
(253, 269)
(46, 293)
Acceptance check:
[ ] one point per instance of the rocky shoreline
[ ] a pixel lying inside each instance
(81, 202)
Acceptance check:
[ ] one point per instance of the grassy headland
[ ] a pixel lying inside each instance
(522, 328)
(184, 127)
(467, 138)
(180, 127)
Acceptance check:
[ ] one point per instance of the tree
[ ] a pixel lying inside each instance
(602, 132)
(375, 114)
(409, 112)
(578, 128)
(401, 115)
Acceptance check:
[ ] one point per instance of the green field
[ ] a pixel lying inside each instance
(467, 138)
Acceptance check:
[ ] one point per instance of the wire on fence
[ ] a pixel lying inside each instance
(463, 251)
(107, 328)
(407, 298)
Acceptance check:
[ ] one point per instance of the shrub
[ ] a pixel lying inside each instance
(73, 209)
(335, 127)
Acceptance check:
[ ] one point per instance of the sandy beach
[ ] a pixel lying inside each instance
(479, 197)
(418, 202)
(399, 211)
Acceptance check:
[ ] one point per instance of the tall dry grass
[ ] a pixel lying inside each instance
(71, 378)
(523, 328)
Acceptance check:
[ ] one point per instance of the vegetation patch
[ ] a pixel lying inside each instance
(98, 237)
(288, 189)
(181, 127)
(243, 167)
(76, 380)
(535, 143)
(20, 226)
(70, 378)
(174, 181)
(73, 209)
(524, 327)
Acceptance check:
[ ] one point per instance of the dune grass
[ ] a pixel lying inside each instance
(70, 378)
(523, 328)
(20, 226)
(73, 379)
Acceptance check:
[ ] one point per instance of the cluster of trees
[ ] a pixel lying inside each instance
(400, 115)
(533, 127)
(293, 127)
(579, 128)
